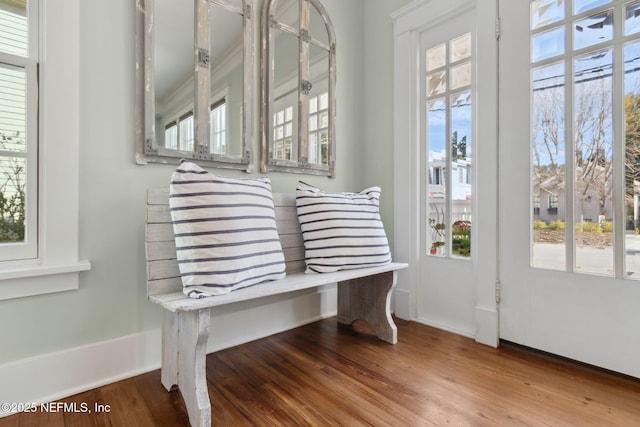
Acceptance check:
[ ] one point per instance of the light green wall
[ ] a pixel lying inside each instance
(346, 16)
(378, 109)
(111, 301)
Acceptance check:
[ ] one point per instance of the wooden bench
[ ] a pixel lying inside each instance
(362, 294)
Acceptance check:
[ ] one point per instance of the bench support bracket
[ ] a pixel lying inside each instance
(369, 298)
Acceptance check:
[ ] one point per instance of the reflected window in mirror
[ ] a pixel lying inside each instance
(298, 88)
(319, 129)
(218, 120)
(283, 134)
(197, 103)
(178, 134)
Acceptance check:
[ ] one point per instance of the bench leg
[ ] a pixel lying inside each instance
(192, 378)
(369, 299)
(169, 369)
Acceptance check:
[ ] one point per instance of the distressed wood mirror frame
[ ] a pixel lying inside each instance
(148, 150)
(298, 100)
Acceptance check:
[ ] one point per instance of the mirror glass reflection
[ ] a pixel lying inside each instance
(173, 74)
(227, 81)
(317, 29)
(285, 97)
(318, 106)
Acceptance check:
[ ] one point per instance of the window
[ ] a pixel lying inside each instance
(171, 136)
(52, 137)
(179, 134)
(18, 130)
(449, 105)
(319, 129)
(283, 134)
(186, 132)
(218, 120)
(585, 92)
(553, 204)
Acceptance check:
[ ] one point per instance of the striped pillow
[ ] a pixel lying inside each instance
(225, 231)
(341, 231)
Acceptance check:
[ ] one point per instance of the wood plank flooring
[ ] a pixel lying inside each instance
(324, 374)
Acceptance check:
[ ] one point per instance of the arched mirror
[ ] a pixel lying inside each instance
(299, 77)
(195, 68)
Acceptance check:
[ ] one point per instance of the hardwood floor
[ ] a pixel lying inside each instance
(324, 374)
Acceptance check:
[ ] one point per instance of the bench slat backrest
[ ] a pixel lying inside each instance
(163, 275)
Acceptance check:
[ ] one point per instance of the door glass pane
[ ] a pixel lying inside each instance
(460, 76)
(460, 48)
(580, 6)
(545, 12)
(461, 145)
(437, 57)
(547, 44)
(593, 139)
(632, 19)
(632, 158)
(437, 83)
(549, 167)
(436, 167)
(449, 134)
(594, 29)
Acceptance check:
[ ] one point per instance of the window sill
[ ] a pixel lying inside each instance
(23, 281)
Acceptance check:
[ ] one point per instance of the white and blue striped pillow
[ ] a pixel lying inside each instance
(341, 230)
(225, 231)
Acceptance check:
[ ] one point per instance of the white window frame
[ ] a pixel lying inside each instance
(28, 249)
(57, 265)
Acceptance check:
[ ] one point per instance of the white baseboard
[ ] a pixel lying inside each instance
(402, 304)
(53, 376)
(487, 330)
(446, 327)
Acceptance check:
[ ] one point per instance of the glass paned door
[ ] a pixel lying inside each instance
(568, 186)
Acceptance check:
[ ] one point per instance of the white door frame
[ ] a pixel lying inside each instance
(409, 22)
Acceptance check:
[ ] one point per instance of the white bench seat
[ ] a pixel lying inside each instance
(362, 294)
(177, 301)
